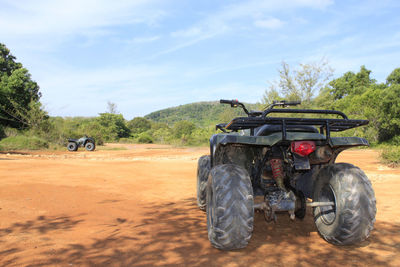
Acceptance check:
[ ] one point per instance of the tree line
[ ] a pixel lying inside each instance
(25, 124)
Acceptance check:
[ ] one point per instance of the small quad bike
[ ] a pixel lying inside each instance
(284, 164)
(87, 142)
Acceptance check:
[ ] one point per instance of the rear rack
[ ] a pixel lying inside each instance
(326, 126)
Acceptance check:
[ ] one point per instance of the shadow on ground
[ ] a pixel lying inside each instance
(175, 234)
(24, 231)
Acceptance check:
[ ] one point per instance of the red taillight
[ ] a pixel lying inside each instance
(303, 148)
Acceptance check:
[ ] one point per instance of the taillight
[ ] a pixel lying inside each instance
(303, 148)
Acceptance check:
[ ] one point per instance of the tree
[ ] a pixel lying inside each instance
(394, 77)
(113, 125)
(183, 129)
(7, 61)
(351, 83)
(138, 125)
(270, 95)
(112, 108)
(300, 84)
(312, 77)
(18, 92)
(389, 115)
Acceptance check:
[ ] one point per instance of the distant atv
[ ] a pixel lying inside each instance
(87, 142)
(284, 164)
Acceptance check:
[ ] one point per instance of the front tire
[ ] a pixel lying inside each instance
(351, 219)
(72, 146)
(90, 146)
(230, 207)
(203, 169)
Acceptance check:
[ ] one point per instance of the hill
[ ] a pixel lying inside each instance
(203, 114)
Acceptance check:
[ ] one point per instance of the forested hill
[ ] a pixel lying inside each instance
(203, 114)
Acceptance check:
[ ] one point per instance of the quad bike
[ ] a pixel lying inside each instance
(288, 163)
(87, 142)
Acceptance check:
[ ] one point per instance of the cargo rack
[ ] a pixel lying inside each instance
(257, 118)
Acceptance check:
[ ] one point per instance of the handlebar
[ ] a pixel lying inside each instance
(230, 102)
(234, 103)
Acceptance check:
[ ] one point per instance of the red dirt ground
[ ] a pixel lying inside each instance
(137, 207)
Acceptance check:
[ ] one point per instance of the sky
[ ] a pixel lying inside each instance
(149, 55)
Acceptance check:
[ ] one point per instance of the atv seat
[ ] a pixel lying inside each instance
(269, 129)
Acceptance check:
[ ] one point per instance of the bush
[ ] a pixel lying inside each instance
(145, 138)
(395, 140)
(23, 142)
(2, 133)
(391, 155)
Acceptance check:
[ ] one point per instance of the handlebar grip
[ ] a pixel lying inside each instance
(224, 101)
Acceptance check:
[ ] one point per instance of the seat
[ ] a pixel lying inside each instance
(269, 129)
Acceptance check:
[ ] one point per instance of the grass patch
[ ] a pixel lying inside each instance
(391, 155)
(22, 142)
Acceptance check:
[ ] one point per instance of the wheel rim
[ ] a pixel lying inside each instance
(328, 213)
(89, 146)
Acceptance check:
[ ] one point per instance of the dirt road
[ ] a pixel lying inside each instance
(137, 207)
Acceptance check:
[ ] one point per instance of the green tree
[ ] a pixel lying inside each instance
(17, 90)
(113, 126)
(389, 113)
(183, 129)
(270, 95)
(394, 77)
(7, 61)
(139, 125)
(351, 83)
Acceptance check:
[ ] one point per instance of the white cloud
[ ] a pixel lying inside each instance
(64, 17)
(271, 23)
(220, 22)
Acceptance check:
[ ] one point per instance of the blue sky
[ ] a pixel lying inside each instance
(148, 55)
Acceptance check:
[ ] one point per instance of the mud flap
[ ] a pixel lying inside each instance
(301, 163)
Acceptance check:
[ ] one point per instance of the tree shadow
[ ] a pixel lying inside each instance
(175, 233)
(41, 225)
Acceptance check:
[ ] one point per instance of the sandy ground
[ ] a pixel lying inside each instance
(137, 207)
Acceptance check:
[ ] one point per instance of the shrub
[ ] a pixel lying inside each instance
(145, 138)
(23, 142)
(391, 155)
(8, 131)
(2, 133)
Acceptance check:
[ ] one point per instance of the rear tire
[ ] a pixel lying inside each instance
(72, 146)
(230, 207)
(352, 217)
(203, 169)
(90, 146)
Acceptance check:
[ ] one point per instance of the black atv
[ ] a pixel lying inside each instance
(87, 142)
(284, 164)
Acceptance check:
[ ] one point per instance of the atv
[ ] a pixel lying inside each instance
(276, 164)
(87, 142)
